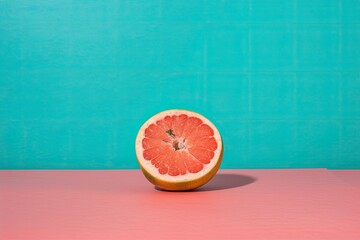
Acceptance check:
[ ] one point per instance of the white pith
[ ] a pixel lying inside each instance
(147, 165)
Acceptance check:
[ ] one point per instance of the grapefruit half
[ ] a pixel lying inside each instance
(178, 150)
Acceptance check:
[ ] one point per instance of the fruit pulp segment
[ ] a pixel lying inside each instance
(179, 144)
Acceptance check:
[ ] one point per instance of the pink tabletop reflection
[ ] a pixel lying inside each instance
(236, 204)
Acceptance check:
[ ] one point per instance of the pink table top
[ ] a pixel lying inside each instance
(236, 204)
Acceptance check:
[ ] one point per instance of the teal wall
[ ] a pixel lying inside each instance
(280, 79)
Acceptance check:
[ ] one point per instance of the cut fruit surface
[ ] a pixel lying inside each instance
(179, 150)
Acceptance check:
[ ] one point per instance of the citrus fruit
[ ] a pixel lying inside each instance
(178, 150)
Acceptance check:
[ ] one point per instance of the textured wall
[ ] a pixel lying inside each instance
(280, 79)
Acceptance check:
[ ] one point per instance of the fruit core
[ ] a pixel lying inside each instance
(177, 143)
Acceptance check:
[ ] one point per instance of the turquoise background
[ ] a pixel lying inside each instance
(280, 79)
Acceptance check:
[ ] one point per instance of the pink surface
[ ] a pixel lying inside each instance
(236, 204)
